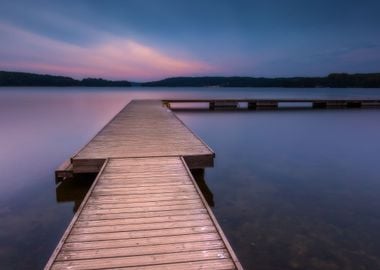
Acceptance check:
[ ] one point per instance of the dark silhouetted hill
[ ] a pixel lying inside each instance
(101, 82)
(332, 80)
(30, 79)
(368, 80)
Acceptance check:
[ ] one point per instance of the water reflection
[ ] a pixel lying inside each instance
(41, 127)
(296, 189)
(74, 189)
(199, 177)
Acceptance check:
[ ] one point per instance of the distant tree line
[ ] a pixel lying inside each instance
(368, 80)
(333, 80)
(30, 79)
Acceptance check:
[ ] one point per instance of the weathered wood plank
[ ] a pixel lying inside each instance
(139, 250)
(132, 190)
(138, 234)
(92, 211)
(91, 205)
(142, 260)
(181, 190)
(137, 184)
(85, 216)
(125, 221)
(219, 264)
(141, 227)
(141, 198)
(141, 241)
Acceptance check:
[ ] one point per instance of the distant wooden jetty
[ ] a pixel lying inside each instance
(275, 103)
(144, 210)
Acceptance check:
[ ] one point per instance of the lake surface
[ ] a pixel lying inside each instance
(292, 189)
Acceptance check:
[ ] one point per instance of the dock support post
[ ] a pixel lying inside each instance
(319, 104)
(267, 104)
(252, 105)
(223, 104)
(199, 177)
(336, 104)
(375, 103)
(198, 173)
(354, 104)
(167, 104)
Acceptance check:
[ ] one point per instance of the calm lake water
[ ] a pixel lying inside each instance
(292, 189)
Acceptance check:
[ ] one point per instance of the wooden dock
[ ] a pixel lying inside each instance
(275, 103)
(144, 210)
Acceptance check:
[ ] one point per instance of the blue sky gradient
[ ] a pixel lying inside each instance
(146, 39)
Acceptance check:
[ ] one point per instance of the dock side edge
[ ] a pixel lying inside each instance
(213, 218)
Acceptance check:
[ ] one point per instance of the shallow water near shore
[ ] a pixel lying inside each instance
(292, 189)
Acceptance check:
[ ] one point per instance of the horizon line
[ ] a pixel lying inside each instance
(191, 76)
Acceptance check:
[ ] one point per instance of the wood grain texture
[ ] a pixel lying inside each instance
(156, 224)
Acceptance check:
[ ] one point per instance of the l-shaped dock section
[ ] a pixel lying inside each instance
(144, 210)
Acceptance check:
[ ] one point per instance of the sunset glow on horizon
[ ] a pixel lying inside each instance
(113, 58)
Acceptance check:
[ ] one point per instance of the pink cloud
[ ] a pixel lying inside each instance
(114, 58)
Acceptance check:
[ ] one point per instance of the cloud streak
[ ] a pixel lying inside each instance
(112, 57)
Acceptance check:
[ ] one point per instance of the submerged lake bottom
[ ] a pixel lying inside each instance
(296, 189)
(291, 188)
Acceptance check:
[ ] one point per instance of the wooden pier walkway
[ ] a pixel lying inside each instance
(144, 210)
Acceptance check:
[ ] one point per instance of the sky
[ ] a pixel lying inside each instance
(142, 40)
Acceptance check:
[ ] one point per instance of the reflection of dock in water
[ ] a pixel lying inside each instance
(74, 189)
(199, 176)
(144, 209)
